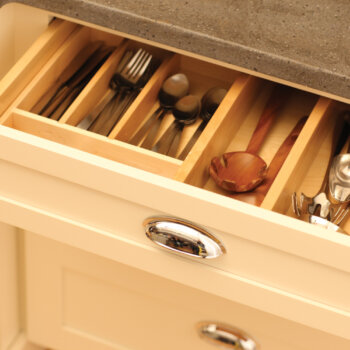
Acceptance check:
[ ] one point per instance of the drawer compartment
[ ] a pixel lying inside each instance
(84, 301)
(229, 129)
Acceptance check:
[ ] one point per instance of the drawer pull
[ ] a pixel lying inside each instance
(183, 237)
(226, 336)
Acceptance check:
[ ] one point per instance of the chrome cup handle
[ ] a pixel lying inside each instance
(226, 336)
(183, 237)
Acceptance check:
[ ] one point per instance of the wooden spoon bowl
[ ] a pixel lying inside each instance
(244, 171)
(241, 172)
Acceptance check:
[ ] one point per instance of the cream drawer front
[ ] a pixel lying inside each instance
(81, 301)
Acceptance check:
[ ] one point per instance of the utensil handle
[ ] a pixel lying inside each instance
(105, 113)
(66, 75)
(135, 140)
(280, 157)
(176, 140)
(267, 118)
(87, 121)
(64, 105)
(117, 111)
(164, 143)
(149, 139)
(192, 141)
(47, 98)
(90, 66)
(55, 102)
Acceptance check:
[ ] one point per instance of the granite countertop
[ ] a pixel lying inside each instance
(303, 42)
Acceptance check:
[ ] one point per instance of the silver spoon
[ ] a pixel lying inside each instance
(185, 111)
(210, 102)
(339, 178)
(173, 89)
(339, 174)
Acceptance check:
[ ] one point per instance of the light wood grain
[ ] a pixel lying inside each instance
(297, 105)
(54, 67)
(94, 143)
(32, 61)
(94, 90)
(135, 115)
(217, 135)
(202, 76)
(303, 153)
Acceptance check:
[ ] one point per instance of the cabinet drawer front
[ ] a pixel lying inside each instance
(79, 300)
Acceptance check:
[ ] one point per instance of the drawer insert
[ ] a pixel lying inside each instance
(229, 129)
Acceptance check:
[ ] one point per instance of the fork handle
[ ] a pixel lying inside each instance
(87, 121)
(105, 114)
(117, 112)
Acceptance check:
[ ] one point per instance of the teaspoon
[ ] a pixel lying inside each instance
(173, 89)
(210, 102)
(185, 112)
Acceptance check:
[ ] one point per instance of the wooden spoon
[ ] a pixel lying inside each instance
(257, 196)
(245, 170)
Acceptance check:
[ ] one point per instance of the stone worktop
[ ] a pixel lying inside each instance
(302, 42)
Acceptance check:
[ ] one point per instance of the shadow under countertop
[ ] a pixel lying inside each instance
(302, 42)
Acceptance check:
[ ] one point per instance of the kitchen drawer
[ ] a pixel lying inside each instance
(94, 192)
(82, 301)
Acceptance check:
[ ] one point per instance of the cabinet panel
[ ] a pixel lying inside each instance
(80, 300)
(10, 315)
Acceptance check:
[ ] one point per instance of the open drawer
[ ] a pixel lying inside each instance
(94, 192)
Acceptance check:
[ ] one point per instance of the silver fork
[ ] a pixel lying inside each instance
(127, 79)
(86, 122)
(128, 83)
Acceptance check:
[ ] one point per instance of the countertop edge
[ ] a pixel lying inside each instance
(256, 61)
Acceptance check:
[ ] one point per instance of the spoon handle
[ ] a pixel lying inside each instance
(280, 157)
(135, 140)
(267, 118)
(149, 139)
(163, 144)
(176, 140)
(257, 196)
(192, 141)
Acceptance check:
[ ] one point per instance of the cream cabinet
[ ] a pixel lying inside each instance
(92, 279)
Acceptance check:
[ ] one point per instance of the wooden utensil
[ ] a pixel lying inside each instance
(245, 170)
(256, 196)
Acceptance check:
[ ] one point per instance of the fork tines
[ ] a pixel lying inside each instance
(136, 66)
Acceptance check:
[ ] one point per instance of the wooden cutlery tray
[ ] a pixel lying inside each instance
(229, 129)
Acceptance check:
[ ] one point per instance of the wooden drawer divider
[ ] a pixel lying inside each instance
(228, 130)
